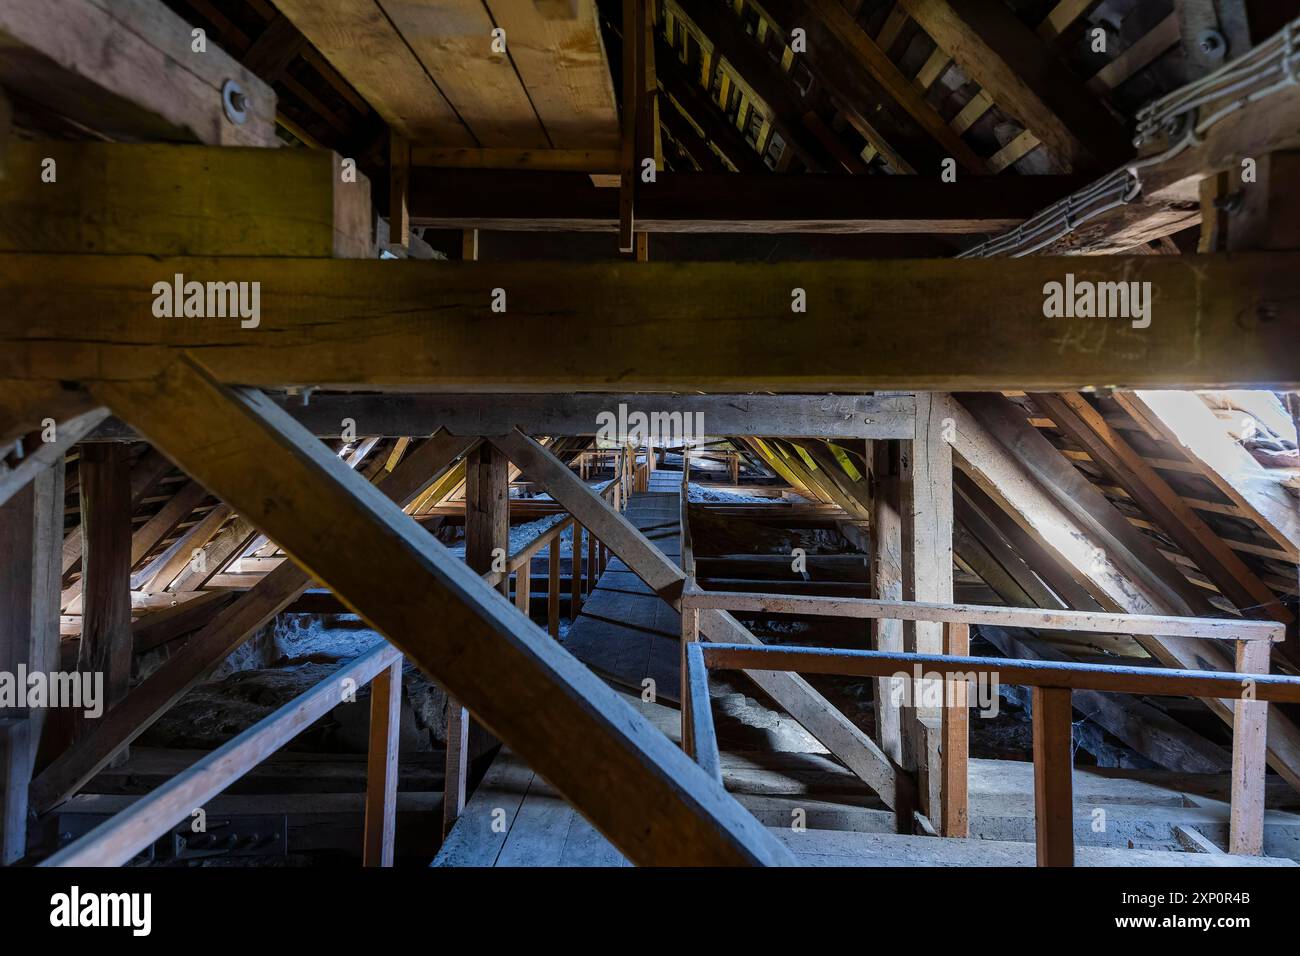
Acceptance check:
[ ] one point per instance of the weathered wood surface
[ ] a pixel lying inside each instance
(648, 797)
(910, 324)
(128, 69)
(812, 416)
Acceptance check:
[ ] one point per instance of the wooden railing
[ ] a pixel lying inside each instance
(117, 840)
(1249, 688)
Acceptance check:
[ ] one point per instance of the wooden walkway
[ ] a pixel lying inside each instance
(626, 633)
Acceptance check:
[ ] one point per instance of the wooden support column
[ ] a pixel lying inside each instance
(487, 537)
(575, 574)
(31, 529)
(927, 570)
(553, 588)
(690, 635)
(105, 482)
(381, 767)
(887, 585)
(523, 587)
(1249, 756)
(399, 185)
(593, 558)
(630, 161)
(955, 815)
(1053, 776)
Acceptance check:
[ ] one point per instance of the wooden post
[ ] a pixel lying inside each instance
(399, 179)
(734, 459)
(927, 569)
(629, 161)
(592, 572)
(106, 566)
(523, 587)
(1053, 776)
(1249, 756)
(553, 589)
(690, 634)
(955, 816)
(31, 529)
(575, 574)
(487, 538)
(381, 767)
(887, 584)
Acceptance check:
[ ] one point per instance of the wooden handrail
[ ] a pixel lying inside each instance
(117, 840)
(1237, 629)
(1052, 684)
(1107, 678)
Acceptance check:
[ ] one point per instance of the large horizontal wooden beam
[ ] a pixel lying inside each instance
(399, 414)
(631, 782)
(904, 325)
(528, 200)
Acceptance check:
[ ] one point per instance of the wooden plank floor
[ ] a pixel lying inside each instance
(625, 632)
(515, 819)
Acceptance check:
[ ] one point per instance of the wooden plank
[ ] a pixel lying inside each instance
(643, 793)
(359, 41)
(1022, 75)
(126, 69)
(564, 67)
(1053, 776)
(1202, 628)
(120, 198)
(31, 525)
(425, 324)
(106, 646)
(116, 841)
(454, 42)
(1249, 758)
(381, 768)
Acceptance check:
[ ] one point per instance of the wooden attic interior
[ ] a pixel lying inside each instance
(774, 219)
